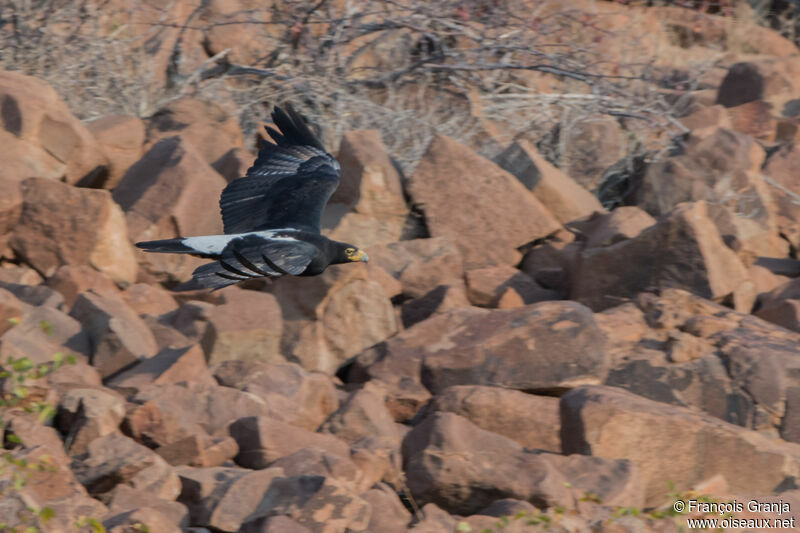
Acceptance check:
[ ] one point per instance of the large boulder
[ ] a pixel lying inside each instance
(122, 140)
(682, 448)
(544, 346)
(559, 193)
(684, 250)
(368, 208)
(477, 205)
(462, 468)
(204, 124)
(41, 138)
(118, 337)
(723, 169)
(64, 225)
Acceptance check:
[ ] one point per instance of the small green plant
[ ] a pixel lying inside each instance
(16, 375)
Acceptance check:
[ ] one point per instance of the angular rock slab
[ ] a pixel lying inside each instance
(672, 444)
(456, 465)
(544, 346)
(683, 251)
(477, 205)
(36, 120)
(64, 225)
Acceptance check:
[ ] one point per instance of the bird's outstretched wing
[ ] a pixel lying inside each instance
(289, 184)
(253, 256)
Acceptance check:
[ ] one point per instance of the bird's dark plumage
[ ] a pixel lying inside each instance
(271, 216)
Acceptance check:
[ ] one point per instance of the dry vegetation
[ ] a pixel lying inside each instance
(409, 69)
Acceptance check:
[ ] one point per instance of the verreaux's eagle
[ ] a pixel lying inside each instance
(272, 215)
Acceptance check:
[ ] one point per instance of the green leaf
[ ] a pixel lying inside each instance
(46, 514)
(13, 438)
(14, 320)
(46, 326)
(463, 526)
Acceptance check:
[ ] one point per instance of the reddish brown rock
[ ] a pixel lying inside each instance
(625, 222)
(706, 120)
(36, 116)
(263, 440)
(543, 346)
(553, 263)
(290, 393)
(755, 119)
(397, 362)
(11, 309)
(560, 194)
(332, 317)
(194, 408)
(318, 462)
(63, 225)
(432, 519)
(772, 79)
(485, 211)
(85, 414)
(530, 420)
(199, 450)
(10, 205)
(118, 336)
(72, 280)
(114, 459)
(363, 414)
(723, 169)
(35, 295)
(224, 497)
(170, 191)
(439, 300)
(388, 512)
(684, 250)
(54, 485)
(147, 299)
(234, 163)
(784, 188)
(203, 124)
(232, 27)
(454, 464)
(487, 287)
(611, 423)
(147, 517)
(247, 326)
(121, 138)
(125, 498)
(169, 365)
(274, 524)
(41, 333)
(368, 207)
(420, 265)
(590, 146)
(785, 313)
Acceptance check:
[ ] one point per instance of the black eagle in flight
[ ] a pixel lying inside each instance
(272, 215)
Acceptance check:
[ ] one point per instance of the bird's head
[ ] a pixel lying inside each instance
(350, 254)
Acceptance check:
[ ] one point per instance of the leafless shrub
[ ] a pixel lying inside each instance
(409, 68)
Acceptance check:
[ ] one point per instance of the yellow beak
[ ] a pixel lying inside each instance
(359, 255)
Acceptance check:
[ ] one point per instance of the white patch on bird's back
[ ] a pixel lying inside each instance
(215, 244)
(208, 244)
(274, 234)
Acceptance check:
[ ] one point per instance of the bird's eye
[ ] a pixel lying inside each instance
(350, 251)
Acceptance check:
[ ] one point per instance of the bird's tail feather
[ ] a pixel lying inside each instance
(206, 246)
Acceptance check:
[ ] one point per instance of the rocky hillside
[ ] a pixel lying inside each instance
(568, 341)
